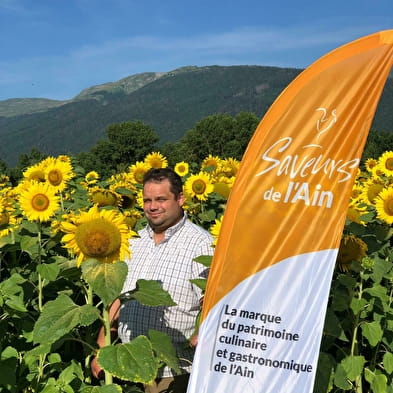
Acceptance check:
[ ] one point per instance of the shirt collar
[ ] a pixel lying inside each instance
(169, 232)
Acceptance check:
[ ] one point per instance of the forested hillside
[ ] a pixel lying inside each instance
(170, 103)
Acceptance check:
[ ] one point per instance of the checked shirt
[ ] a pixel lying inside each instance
(171, 264)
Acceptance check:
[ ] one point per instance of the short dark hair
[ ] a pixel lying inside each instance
(157, 175)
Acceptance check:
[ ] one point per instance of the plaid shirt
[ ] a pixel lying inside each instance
(170, 263)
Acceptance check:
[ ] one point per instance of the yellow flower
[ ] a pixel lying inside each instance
(216, 228)
(103, 197)
(139, 198)
(356, 193)
(58, 173)
(38, 201)
(371, 191)
(156, 160)
(385, 163)
(199, 186)
(137, 171)
(370, 164)
(222, 189)
(4, 180)
(35, 173)
(126, 193)
(182, 168)
(92, 177)
(355, 212)
(384, 205)
(99, 234)
(351, 249)
(230, 166)
(211, 163)
(8, 221)
(131, 217)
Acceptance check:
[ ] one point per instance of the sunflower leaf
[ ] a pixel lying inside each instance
(59, 317)
(150, 293)
(106, 279)
(164, 349)
(111, 388)
(134, 361)
(48, 271)
(205, 260)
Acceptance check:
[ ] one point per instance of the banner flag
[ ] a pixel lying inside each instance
(269, 283)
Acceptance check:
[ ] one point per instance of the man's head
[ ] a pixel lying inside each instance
(163, 198)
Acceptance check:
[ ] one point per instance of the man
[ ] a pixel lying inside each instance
(165, 251)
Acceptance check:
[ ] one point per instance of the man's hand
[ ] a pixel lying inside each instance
(193, 340)
(96, 369)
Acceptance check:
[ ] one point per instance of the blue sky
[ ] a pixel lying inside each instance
(55, 48)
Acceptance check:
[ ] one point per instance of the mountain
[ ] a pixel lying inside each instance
(171, 102)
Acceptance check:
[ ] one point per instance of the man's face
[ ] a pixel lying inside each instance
(161, 208)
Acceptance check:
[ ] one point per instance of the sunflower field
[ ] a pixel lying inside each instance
(63, 241)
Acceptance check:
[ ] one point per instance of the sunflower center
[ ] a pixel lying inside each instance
(4, 219)
(104, 198)
(199, 187)
(388, 206)
(98, 238)
(40, 202)
(389, 164)
(138, 176)
(55, 177)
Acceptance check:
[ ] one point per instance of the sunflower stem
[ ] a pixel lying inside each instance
(40, 281)
(354, 344)
(107, 339)
(61, 202)
(89, 291)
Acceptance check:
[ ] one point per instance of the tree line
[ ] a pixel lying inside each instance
(128, 142)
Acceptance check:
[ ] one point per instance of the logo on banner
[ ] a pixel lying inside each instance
(305, 165)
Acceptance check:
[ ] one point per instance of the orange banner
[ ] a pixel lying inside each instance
(270, 277)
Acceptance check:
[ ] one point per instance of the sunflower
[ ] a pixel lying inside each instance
(156, 160)
(126, 192)
(371, 191)
(103, 197)
(35, 173)
(385, 163)
(354, 213)
(99, 234)
(131, 217)
(58, 173)
(4, 181)
(199, 186)
(370, 164)
(64, 158)
(384, 205)
(351, 249)
(231, 166)
(216, 228)
(38, 201)
(91, 178)
(211, 163)
(139, 198)
(356, 193)
(137, 171)
(222, 189)
(182, 168)
(8, 220)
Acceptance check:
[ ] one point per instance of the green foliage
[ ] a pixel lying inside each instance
(357, 346)
(220, 135)
(377, 143)
(126, 143)
(105, 279)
